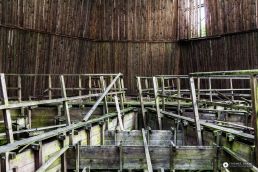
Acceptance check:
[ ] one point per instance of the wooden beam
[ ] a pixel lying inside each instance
(53, 133)
(156, 87)
(6, 112)
(103, 88)
(254, 88)
(38, 155)
(196, 113)
(52, 159)
(65, 103)
(139, 85)
(90, 112)
(119, 114)
(147, 153)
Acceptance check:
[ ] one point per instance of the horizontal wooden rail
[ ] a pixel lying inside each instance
(53, 133)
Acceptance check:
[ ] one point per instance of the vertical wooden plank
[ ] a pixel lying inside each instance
(119, 114)
(77, 169)
(254, 92)
(178, 82)
(139, 85)
(49, 87)
(80, 85)
(19, 88)
(38, 156)
(163, 93)
(5, 165)
(210, 89)
(103, 87)
(231, 87)
(6, 112)
(65, 103)
(196, 113)
(147, 153)
(155, 87)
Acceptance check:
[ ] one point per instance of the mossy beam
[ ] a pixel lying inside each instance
(53, 133)
(238, 158)
(245, 136)
(225, 73)
(210, 103)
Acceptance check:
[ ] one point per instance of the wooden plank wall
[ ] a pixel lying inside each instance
(221, 17)
(83, 36)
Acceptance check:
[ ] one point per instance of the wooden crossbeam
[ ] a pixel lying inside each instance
(90, 112)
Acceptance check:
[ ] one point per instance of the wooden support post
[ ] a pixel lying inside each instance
(210, 91)
(178, 83)
(196, 113)
(90, 86)
(78, 157)
(123, 86)
(156, 87)
(53, 159)
(147, 153)
(199, 88)
(121, 156)
(103, 88)
(254, 92)
(163, 93)
(65, 103)
(49, 87)
(88, 133)
(6, 112)
(38, 155)
(139, 85)
(5, 166)
(19, 93)
(102, 132)
(120, 88)
(231, 87)
(80, 85)
(119, 114)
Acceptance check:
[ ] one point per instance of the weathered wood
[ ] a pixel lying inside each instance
(103, 87)
(119, 114)
(196, 113)
(6, 112)
(65, 103)
(254, 88)
(52, 159)
(38, 155)
(87, 116)
(139, 85)
(147, 153)
(156, 87)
